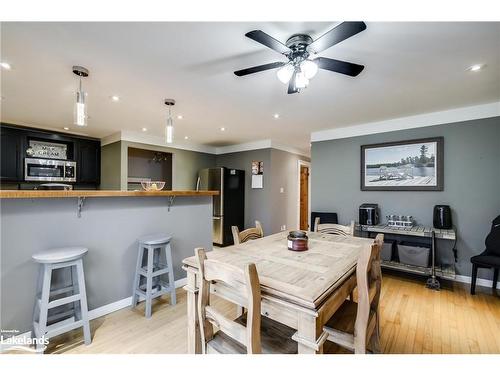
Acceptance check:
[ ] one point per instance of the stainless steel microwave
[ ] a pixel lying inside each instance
(49, 170)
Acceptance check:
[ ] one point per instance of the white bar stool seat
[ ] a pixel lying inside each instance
(149, 269)
(50, 325)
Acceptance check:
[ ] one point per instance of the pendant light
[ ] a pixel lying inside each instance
(80, 112)
(169, 128)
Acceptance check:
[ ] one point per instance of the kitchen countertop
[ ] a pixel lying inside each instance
(20, 194)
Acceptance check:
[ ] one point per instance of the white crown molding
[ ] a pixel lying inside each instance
(131, 136)
(256, 145)
(290, 149)
(137, 137)
(403, 123)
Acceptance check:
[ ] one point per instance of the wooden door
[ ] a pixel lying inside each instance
(304, 197)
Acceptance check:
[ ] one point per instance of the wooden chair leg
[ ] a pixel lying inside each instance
(473, 279)
(495, 278)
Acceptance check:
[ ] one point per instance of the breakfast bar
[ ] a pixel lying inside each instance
(107, 223)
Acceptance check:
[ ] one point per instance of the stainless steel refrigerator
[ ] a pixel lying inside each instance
(229, 205)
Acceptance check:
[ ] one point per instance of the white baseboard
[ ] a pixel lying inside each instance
(479, 282)
(103, 310)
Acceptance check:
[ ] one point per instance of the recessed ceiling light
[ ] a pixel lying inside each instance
(276, 115)
(179, 117)
(222, 129)
(115, 98)
(5, 65)
(66, 128)
(475, 67)
(144, 129)
(186, 137)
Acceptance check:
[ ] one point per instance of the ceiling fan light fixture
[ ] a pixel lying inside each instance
(309, 68)
(301, 81)
(285, 73)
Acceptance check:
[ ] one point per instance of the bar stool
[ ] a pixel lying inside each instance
(157, 262)
(50, 325)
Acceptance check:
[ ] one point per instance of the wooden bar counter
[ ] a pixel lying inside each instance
(20, 194)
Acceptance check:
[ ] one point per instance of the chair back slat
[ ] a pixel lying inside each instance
(244, 283)
(368, 278)
(247, 234)
(341, 230)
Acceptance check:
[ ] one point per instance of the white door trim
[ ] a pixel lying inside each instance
(307, 164)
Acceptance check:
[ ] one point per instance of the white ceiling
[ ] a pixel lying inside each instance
(410, 68)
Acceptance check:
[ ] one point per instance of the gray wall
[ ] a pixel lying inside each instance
(111, 166)
(471, 182)
(272, 208)
(185, 165)
(285, 172)
(109, 228)
(257, 201)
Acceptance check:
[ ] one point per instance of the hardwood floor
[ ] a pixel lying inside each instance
(413, 320)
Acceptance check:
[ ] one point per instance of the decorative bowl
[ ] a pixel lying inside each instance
(153, 185)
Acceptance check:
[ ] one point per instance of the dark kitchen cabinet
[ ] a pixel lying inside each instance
(11, 149)
(88, 162)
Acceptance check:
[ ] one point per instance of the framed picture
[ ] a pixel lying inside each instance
(404, 165)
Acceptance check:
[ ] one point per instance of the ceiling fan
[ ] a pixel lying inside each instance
(300, 49)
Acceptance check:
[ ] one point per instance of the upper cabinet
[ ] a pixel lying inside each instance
(11, 147)
(15, 141)
(88, 162)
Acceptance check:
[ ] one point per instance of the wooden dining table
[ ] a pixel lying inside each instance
(299, 289)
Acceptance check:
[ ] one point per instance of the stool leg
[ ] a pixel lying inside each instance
(137, 277)
(44, 302)
(76, 305)
(171, 281)
(149, 281)
(83, 302)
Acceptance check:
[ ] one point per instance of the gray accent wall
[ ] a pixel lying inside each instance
(471, 183)
(272, 208)
(257, 201)
(108, 227)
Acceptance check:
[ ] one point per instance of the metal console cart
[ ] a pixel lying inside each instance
(432, 234)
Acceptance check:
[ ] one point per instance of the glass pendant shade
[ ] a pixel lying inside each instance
(301, 80)
(80, 112)
(169, 130)
(309, 68)
(285, 73)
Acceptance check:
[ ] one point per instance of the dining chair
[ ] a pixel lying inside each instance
(355, 324)
(489, 258)
(250, 333)
(247, 234)
(342, 230)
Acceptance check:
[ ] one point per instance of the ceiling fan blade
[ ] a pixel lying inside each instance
(338, 66)
(258, 68)
(267, 40)
(292, 89)
(336, 35)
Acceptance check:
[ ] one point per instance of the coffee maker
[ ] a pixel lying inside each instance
(368, 214)
(442, 217)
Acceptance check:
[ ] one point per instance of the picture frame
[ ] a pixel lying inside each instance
(412, 165)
